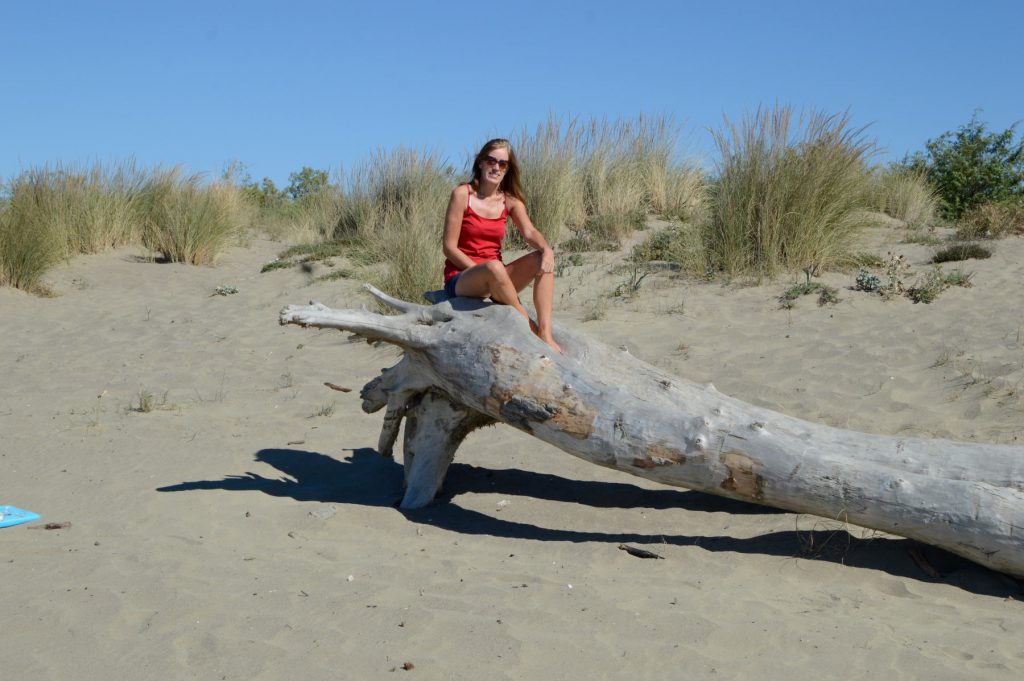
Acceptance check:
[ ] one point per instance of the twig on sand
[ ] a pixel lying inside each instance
(639, 553)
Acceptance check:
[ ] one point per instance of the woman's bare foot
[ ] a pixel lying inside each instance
(551, 341)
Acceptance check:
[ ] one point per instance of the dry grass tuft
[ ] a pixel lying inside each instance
(789, 192)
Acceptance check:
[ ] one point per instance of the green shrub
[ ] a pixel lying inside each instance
(678, 243)
(265, 195)
(306, 182)
(971, 166)
(992, 220)
(958, 252)
(787, 196)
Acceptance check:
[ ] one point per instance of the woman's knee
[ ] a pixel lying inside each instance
(496, 271)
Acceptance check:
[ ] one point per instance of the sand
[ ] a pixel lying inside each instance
(245, 528)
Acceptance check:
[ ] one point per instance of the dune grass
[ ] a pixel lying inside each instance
(312, 218)
(905, 195)
(28, 248)
(185, 220)
(550, 177)
(392, 213)
(52, 213)
(789, 192)
(590, 183)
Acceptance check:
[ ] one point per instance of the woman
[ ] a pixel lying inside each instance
(474, 228)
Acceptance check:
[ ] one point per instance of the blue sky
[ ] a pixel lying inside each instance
(280, 85)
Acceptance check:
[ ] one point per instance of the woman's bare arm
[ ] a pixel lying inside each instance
(453, 227)
(531, 235)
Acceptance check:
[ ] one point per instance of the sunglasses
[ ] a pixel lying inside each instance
(491, 161)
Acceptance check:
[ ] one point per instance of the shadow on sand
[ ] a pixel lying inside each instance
(365, 478)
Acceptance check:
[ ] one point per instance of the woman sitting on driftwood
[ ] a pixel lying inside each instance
(474, 229)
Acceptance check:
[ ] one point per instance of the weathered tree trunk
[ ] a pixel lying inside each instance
(468, 364)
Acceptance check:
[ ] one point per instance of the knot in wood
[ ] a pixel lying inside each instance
(523, 411)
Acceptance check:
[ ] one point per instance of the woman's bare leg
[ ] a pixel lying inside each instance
(526, 269)
(490, 280)
(502, 284)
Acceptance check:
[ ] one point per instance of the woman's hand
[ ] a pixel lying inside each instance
(547, 261)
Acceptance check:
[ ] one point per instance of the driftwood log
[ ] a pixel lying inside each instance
(467, 364)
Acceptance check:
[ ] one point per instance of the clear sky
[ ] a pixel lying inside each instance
(285, 84)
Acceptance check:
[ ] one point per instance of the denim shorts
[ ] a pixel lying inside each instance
(449, 286)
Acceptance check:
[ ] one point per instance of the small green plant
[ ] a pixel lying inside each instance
(921, 237)
(277, 264)
(588, 241)
(866, 281)
(225, 290)
(896, 268)
(305, 254)
(827, 295)
(562, 263)
(145, 402)
(628, 288)
(594, 313)
(958, 252)
(959, 277)
(340, 273)
(928, 286)
(325, 411)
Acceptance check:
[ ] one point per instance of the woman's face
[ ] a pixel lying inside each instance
(494, 165)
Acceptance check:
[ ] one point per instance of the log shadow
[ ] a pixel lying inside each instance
(367, 479)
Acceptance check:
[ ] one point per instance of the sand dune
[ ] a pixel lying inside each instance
(245, 529)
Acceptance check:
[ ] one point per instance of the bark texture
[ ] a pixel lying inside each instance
(469, 364)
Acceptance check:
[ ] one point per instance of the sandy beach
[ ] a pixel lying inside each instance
(245, 528)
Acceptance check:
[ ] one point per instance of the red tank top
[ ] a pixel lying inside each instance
(479, 237)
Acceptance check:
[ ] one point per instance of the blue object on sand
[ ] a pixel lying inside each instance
(9, 515)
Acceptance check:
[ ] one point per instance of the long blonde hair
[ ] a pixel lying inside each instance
(510, 184)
